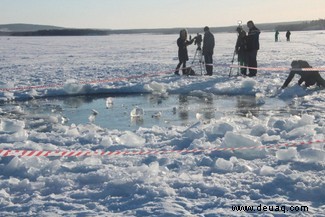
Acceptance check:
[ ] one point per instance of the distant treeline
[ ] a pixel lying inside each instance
(304, 26)
(61, 32)
(292, 26)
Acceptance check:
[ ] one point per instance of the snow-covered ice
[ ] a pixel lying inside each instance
(207, 183)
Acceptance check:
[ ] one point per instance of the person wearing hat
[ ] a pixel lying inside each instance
(207, 50)
(240, 48)
(182, 44)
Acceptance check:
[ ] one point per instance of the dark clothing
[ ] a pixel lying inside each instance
(182, 54)
(207, 51)
(309, 77)
(253, 45)
(252, 62)
(182, 49)
(241, 50)
(208, 60)
(208, 43)
(183, 67)
(288, 35)
(241, 43)
(253, 39)
(276, 36)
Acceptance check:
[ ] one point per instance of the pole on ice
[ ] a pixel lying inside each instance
(198, 53)
(232, 62)
(233, 57)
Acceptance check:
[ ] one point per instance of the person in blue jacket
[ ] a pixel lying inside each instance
(253, 45)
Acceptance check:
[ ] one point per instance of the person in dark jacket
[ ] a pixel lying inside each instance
(207, 51)
(182, 44)
(277, 36)
(253, 45)
(240, 48)
(309, 77)
(288, 35)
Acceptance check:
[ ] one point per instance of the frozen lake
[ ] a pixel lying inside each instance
(50, 85)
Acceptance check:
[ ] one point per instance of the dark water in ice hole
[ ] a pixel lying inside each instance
(175, 109)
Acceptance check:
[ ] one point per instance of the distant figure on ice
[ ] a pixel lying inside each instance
(276, 36)
(288, 35)
(240, 48)
(182, 44)
(253, 45)
(309, 77)
(207, 51)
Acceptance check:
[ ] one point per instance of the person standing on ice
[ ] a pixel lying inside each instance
(240, 48)
(182, 44)
(309, 77)
(288, 35)
(276, 36)
(253, 45)
(207, 50)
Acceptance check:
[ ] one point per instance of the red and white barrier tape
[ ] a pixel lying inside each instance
(278, 68)
(261, 68)
(35, 153)
(151, 75)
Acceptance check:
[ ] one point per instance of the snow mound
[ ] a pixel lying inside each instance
(130, 139)
(72, 87)
(224, 165)
(267, 171)
(156, 88)
(287, 154)
(235, 140)
(312, 155)
(12, 131)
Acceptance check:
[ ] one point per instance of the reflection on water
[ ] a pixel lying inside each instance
(136, 121)
(247, 106)
(180, 110)
(208, 111)
(200, 104)
(183, 107)
(75, 102)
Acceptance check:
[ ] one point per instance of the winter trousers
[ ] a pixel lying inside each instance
(208, 61)
(252, 62)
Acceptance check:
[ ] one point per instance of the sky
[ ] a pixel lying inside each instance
(137, 14)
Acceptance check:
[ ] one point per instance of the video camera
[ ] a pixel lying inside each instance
(198, 40)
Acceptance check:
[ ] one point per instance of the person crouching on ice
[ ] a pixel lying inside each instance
(309, 77)
(182, 44)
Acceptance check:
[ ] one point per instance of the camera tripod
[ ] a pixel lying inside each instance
(199, 56)
(232, 62)
(233, 57)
